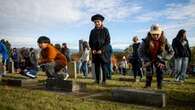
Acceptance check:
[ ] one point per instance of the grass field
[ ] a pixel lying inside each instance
(179, 96)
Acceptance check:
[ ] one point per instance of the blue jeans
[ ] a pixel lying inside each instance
(84, 68)
(181, 65)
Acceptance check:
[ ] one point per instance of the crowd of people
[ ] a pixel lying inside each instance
(151, 54)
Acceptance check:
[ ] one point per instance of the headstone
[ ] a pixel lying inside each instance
(1, 68)
(10, 66)
(139, 97)
(93, 70)
(20, 82)
(13, 69)
(72, 70)
(64, 85)
(94, 75)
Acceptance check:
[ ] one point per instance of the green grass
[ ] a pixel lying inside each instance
(179, 96)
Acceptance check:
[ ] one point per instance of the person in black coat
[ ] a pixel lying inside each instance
(182, 55)
(99, 41)
(135, 60)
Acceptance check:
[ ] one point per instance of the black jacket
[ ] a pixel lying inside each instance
(135, 50)
(180, 50)
(99, 39)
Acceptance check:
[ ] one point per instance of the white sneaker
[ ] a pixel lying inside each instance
(177, 80)
(66, 77)
(30, 75)
(137, 80)
(4, 73)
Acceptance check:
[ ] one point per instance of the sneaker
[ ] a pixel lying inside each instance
(137, 80)
(30, 75)
(177, 80)
(66, 77)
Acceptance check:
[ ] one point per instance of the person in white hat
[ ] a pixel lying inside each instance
(123, 66)
(154, 51)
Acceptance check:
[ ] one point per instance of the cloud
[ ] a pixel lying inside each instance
(172, 18)
(21, 18)
(179, 11)
(112, 9)
(22, 41)
(174, 12)
(63, 11)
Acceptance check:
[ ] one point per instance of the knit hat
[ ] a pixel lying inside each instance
(155, 29)
(97, 17)
(43, 39)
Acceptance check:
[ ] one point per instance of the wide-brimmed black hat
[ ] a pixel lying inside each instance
(97, 17)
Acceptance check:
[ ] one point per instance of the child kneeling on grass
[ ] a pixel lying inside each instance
(52, 61)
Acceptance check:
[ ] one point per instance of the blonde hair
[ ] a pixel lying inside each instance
(150, 44)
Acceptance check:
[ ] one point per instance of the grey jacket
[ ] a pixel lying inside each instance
(162, 57)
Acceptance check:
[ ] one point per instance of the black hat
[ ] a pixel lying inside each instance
(97, 17)
(43, 39)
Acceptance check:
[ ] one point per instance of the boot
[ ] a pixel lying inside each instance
(159, 85)
(148, 81)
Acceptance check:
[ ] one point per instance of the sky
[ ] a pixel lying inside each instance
(23, 21)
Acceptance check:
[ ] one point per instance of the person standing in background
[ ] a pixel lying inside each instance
(135, 60)
(182, 55)
(85, 59)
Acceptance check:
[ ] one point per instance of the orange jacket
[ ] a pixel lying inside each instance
(51, 54)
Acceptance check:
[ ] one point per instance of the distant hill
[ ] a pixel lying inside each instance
(118, 50)
(114, 50)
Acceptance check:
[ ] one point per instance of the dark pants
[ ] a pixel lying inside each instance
(54, 70)
(122, 71)
(16, 64)
(149, 73)
(137, 71)
(109, 71)
(137, 64)
(97, 71)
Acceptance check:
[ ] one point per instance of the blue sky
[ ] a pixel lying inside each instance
(23, 21)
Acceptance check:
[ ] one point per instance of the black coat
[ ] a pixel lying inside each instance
(135, 59)
(180, 50)
(135, 50)
(99, 39)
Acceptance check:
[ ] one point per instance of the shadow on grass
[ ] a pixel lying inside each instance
(15, 77)
(181, 98)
